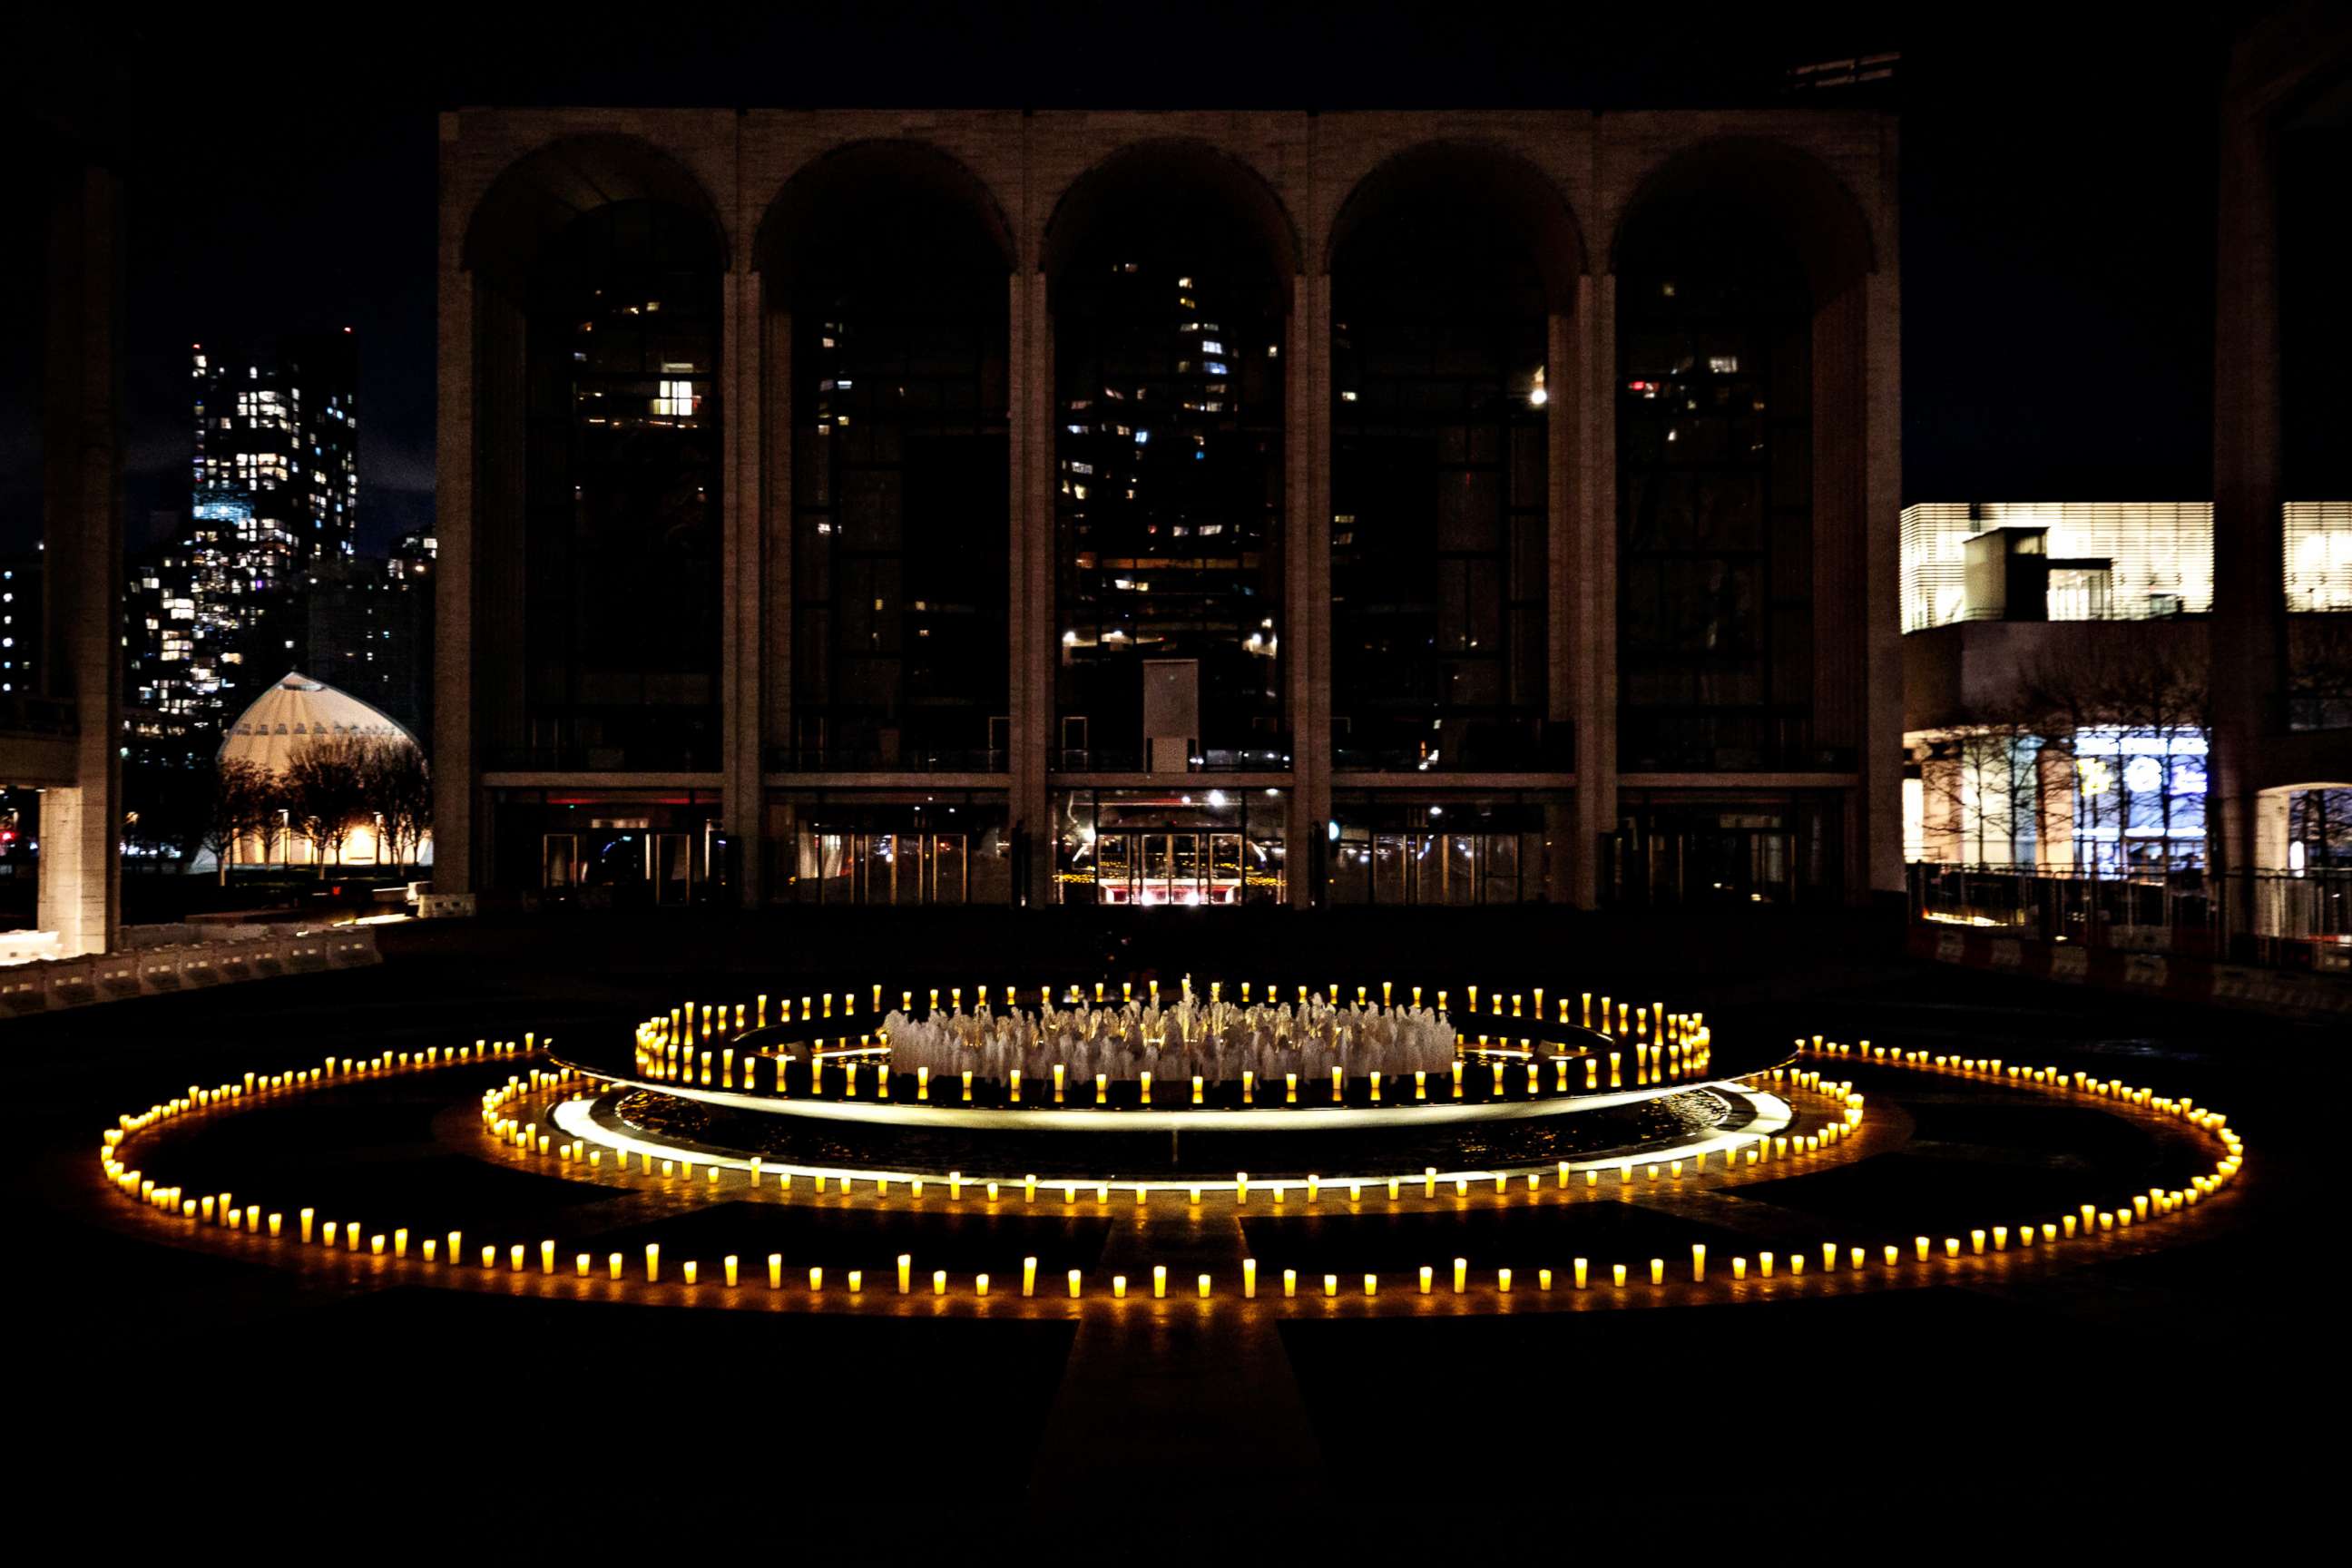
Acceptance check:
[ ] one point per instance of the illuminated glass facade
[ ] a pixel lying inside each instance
(891, 848)
(1167, 503)
(2105, 560)
(2097, 800)
(1456, 851)
(1180, 848)
(623, 486)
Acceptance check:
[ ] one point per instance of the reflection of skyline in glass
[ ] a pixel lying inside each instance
(1167, 494)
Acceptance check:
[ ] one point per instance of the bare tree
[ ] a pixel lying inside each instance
(244, 801)
(399, 789)
(2152, 691)
(326, 791)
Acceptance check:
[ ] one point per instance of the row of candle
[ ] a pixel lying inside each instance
(2088, 1219)
(688, 1022)
(1652, 1064)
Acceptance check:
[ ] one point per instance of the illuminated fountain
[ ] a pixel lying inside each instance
(1123, 1084)
(1218, 1042)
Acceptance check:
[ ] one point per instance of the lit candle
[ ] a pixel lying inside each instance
(1249, 1278)
(1461, 1265)
(1159, 1280)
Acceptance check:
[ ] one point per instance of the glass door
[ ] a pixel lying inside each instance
(1224, 868)
(1159, 868)
(559, 862)
(1116, 857)
(672, 866)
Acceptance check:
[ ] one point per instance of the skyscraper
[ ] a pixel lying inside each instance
(275, 494)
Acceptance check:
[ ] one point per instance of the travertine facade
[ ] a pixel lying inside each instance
(510, 177)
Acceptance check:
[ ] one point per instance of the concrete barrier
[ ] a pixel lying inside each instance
(146, 969)
(2184, 977)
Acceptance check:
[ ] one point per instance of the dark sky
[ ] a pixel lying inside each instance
(2057, 212)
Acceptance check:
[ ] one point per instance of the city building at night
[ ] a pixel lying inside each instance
(274, 493)
(1169, 509)
(2059, 697)
(368, 621)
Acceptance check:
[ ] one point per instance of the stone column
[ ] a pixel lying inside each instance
(2249, 564)
(1029, 390)
(1307, 558)
(779, 519)
(1559, 872)
(743, 511)
(454, 720)
(80, 883)
(1881, 761)
(1587, 460)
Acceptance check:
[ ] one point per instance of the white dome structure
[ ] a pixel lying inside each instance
(297, 709)
(279, 722)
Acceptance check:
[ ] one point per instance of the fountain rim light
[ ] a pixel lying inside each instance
(1772, 1114)
(1069, 1118)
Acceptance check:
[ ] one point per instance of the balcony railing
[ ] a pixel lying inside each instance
(874, 760)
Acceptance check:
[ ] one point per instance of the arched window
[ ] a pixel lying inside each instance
(1715, 571)
(1169, 330)
(622, 493)
(1440, 479)
(900, 489)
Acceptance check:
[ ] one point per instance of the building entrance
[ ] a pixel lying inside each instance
(1174, 867)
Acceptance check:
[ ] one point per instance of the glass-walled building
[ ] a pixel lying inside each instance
(1200, 509)
(2066, 561)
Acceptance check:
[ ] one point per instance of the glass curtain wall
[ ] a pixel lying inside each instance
(622, 494)
(901, 657)
(1715, 494)
(1168, 490)
(1454, 852)
(895, 851)
(1169, 848)
(1439, 493)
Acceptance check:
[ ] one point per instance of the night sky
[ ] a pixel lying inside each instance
(2057, 210)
